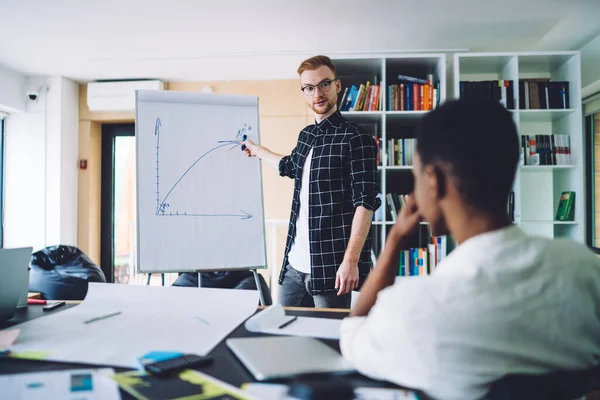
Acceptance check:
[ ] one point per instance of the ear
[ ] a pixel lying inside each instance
(442, 181)
(338, 86)
(436, 179)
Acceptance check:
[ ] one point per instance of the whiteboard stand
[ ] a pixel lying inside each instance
(150, 275)
(259, 287)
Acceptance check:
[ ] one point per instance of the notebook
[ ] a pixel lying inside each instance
(275, 357)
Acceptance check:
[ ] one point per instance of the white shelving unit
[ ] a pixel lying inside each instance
(538, 188)
(383, 69)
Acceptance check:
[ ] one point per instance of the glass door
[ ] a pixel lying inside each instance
(1, 181)
(118, 236)
(124, 239)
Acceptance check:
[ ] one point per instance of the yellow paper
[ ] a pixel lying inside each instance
(31, 355)
(140, 386)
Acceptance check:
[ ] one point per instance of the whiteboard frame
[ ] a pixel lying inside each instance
(138, 267)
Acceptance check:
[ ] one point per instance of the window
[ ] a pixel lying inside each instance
(592, 145)
(1, 181)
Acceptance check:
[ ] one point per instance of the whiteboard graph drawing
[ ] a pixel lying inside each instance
(199, 197)
(162, 205)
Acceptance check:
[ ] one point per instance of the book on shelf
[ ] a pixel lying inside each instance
(413, 94)
(543, 94)
(424, 260)
(510, 206)
(566, 207)
(400, 152)
(501, 90)
(546, 150)
(363, 97)
(395, 202)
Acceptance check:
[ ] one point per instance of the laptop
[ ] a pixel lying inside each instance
(14, 280)
(275, 357)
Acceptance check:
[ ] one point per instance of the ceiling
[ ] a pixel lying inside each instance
(176, 40)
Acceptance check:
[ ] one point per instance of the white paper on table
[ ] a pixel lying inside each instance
(276, 391)
(8, 337)
(269, 320)
(372, 393)
(153, 318)
(57, 385)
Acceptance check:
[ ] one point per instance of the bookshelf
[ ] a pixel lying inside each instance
(537, 188)
(389, 123)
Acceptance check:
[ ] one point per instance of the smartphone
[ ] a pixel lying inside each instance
(178, 363)
(53, 306)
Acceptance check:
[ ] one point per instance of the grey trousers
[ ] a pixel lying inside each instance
(294, 291)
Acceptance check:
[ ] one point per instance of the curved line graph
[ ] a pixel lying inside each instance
(162, 205)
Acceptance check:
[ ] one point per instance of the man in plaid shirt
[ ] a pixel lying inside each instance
(327, 253)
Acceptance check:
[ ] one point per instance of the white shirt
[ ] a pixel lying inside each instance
(299, 255)
(501, 302)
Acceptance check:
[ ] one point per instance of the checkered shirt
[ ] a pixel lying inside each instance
(343, 176)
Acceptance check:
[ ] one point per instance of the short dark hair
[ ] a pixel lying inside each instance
(478, 141)
(315, 62)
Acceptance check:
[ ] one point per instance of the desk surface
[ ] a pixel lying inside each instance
(226, 366)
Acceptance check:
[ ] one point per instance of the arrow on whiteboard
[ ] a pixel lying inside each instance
(244, 215)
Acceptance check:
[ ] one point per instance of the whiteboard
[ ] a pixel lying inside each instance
(199, 197)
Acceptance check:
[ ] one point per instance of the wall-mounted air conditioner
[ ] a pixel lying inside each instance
(117, 96)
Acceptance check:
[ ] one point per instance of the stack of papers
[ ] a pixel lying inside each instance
(271, 318)
(116, 324)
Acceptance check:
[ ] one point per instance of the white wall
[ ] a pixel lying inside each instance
(12, 90)
(590, 66)
(41, 169)
(68, 162)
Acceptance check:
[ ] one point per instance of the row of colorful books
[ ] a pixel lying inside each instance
(546, 150)
(413, 94)
(364, 97)
(423, 261)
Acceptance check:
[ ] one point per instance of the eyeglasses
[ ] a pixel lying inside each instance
(324, 86)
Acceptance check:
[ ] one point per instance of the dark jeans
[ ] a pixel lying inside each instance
(294, 291)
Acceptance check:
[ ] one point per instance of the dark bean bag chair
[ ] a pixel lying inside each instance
(62, 273)
(225, 280)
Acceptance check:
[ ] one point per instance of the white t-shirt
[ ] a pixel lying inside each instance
(501, 302)
(299, 255)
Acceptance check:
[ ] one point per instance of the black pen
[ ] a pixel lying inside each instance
(102, 317)
(288, 322)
